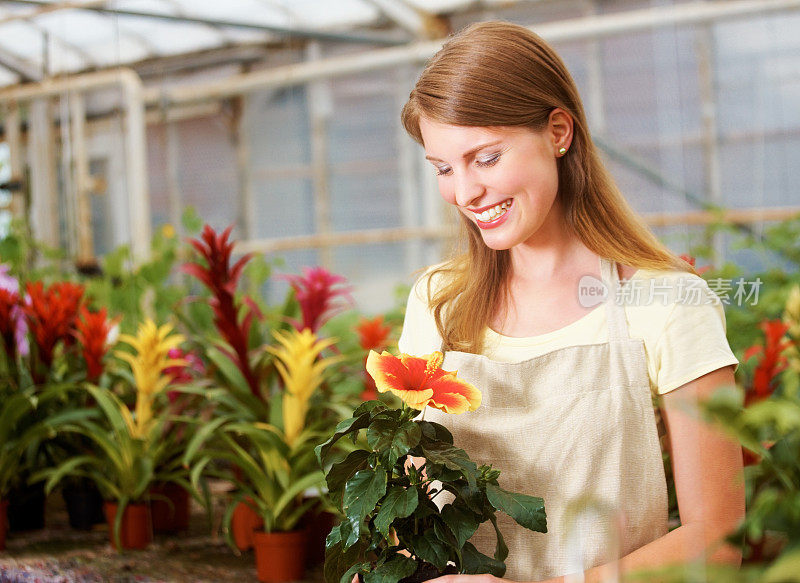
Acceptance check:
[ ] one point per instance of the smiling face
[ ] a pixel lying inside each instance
(503, 179)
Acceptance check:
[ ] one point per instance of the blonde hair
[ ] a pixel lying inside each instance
(497, 74)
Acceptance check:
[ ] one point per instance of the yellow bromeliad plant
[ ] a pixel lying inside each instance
(152, 345)
(128, 449)
(274, 462)
(302, 371)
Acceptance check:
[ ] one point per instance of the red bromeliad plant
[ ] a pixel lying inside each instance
(373, 335)
(91, 332)
(50, 313)
(9, 308)
(222, 278)
(316, 291)
(772, 360)
(693, 261)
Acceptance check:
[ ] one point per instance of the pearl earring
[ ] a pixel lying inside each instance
(562, 151)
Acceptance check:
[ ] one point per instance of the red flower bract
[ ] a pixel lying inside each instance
(221, 279)
(316, 291)
(9, 302)
(50, 313)
(373, 334)
(771, 363)
(421, 382)
(692, 261)
(92, 330)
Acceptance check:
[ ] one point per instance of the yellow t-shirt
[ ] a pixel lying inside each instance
(680, 320)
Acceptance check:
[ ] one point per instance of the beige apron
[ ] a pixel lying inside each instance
(575, 426)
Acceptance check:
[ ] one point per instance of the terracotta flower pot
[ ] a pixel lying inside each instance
(136, 531)
(3, 524)
(244, 522)
(280, 556)
(169, 507)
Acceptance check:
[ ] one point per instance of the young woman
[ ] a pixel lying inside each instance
(571, 318)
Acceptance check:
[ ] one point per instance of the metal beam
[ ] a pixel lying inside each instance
(304, 33)
(47, 7)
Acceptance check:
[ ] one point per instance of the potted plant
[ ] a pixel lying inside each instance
(272, 465)
(15, 409)
(129, 448)
(393, 529)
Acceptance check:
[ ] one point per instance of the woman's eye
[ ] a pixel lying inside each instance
(490, 160)
(443, 170)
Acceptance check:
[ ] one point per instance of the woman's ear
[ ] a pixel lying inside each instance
(560, 129)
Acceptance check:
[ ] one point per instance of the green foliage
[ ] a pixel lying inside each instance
(389, 506)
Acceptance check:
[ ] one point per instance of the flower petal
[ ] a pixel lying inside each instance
(402, 376)
(454, 395)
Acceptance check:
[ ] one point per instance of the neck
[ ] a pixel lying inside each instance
(546, 255)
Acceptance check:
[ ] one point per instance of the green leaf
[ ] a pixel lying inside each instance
(527, 511)
(500, 548)
(228, 369)
(352, 571)
(338, 559)
(344, 470)
(369, 407)
(191, 221)
(474, 562)
(461, 521)
(384, 435)
(398, 503)
(428, 547)
(435, 432)
(451, 457)
(392, 571)
(361, 495)
(342, 429)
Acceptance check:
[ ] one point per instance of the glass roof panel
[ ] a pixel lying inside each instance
(171, 38)
(319, 14)
(439, 6)
(78, 27)
(244, 11)
(20, 38)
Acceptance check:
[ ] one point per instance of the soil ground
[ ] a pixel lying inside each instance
(59, 554)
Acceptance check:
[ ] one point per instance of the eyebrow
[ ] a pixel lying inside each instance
(468, 153)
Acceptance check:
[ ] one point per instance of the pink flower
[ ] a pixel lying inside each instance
(316, 292)
(13, 328)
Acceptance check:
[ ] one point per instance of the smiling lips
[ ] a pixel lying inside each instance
(492, 216)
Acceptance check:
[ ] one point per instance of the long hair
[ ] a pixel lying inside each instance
(502, 74)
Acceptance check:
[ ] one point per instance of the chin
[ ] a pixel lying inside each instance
(497, 244)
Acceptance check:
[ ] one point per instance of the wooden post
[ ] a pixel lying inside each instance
(44, 194)
(83, 182)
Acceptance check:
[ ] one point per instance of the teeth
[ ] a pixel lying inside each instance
(494, 212)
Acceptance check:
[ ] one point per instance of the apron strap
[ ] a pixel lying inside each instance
(615, 311)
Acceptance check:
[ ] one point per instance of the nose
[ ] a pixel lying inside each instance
(467, 189)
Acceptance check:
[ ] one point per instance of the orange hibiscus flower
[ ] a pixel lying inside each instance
(421, 382)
